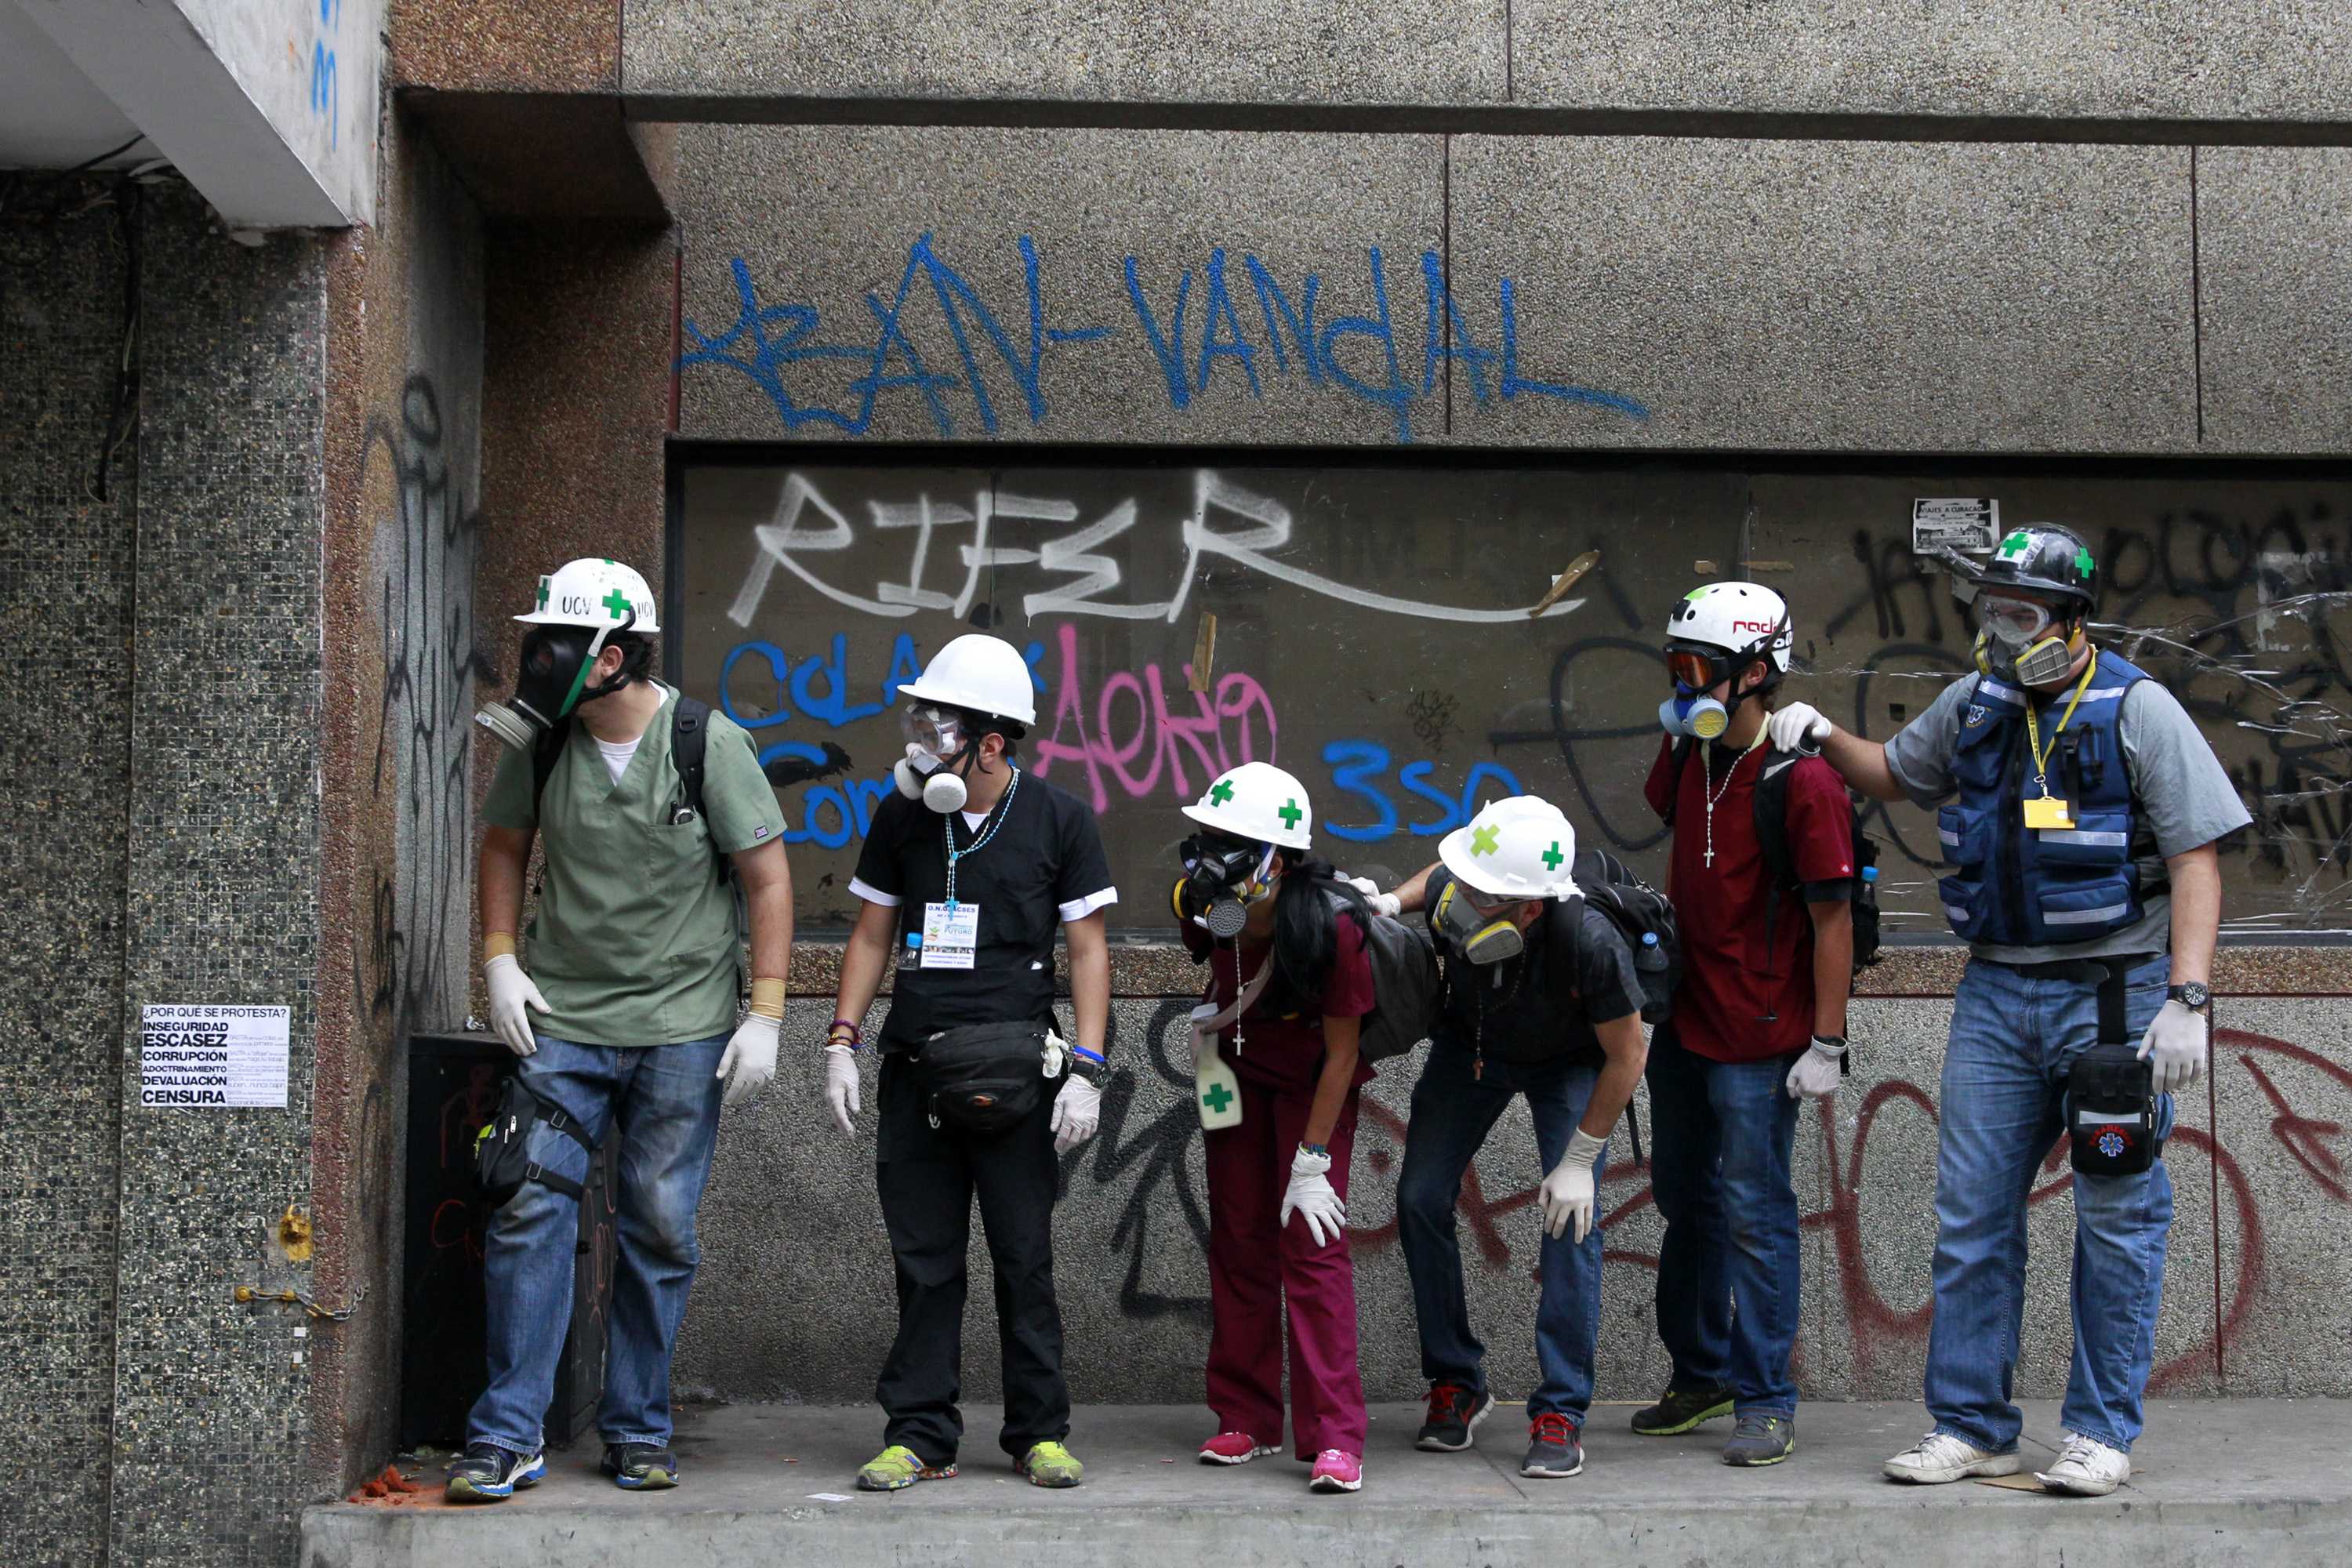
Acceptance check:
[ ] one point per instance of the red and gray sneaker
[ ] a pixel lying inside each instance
(1454, 1413)
(1233, 1448)
(1337, 1471)
(1555, 1448)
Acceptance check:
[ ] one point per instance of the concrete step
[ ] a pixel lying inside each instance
(2216, 1482)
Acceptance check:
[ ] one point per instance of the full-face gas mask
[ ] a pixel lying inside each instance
(1222, 878)
(553, 680)
(939, 755)
(2020, 637)
(1481, 932)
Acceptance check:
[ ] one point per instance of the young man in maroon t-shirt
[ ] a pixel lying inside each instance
(1758, 1022)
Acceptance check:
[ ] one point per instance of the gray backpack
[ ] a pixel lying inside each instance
(1406, 987)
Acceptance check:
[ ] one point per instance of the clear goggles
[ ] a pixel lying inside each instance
(936, 730)
(1484, 903)
(2011, 620)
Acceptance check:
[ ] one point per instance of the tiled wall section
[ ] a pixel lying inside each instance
(222, 885)
(65, 569)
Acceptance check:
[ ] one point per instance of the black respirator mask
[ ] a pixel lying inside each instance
(553, 681)
(1222, 878)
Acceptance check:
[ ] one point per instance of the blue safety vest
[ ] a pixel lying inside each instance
(2013, 886)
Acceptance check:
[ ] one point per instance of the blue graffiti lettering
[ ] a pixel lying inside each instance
(1356, 763)
(1394, 392)
(1221, 308)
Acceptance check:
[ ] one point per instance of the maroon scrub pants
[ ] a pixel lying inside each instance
(1254, 1266)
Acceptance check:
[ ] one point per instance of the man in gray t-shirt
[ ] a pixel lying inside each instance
(2080, 811)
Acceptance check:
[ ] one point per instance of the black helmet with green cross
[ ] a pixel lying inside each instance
(2044, 559)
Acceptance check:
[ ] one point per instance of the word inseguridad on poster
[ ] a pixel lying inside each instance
(214, 1055)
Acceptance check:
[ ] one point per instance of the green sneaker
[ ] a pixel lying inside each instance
(1051, 1465)
(1682, 1409)
(896, 1467)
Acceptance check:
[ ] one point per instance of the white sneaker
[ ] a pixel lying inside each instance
(1939, 1457)
(2087, 1467)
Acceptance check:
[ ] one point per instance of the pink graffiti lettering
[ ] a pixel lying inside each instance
(1138, 741)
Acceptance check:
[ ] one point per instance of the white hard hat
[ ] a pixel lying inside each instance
(592, 593)
(1518, 849)
(984, 674)
(1739, 618)
(1257, 801)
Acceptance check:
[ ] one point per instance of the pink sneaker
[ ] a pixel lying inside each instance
(1231, 1449)
(1337, 1472)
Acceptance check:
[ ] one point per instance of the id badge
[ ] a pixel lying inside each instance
(950, 932)
(2047, 811)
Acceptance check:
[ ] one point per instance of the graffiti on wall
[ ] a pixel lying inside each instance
(1225, 314)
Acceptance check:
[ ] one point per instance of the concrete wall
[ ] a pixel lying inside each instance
(793, 1300)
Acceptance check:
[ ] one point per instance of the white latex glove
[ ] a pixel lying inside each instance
(1567, 1192)
(1311, 1196)
(1057, 1051)
(1076, 1111)
(1816, 1073)
(512, 995)
(1381, 903)
(750, 1061)
(841, 1086)
(2175, 1046)
(1798, 727)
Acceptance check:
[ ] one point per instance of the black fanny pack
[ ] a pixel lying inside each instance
(502, 1161)
(2110, 1092)
(984, 1078)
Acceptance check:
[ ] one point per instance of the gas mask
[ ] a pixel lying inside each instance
(1481, 935)
(1692, 710)
(1222, 878)
(2020, 639)
(555, 664)
(939, 756)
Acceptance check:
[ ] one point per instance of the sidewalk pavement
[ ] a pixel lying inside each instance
(2235, 1482)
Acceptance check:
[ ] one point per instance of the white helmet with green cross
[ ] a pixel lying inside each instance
(1257, 801)
(594, 592)
(1522, 848)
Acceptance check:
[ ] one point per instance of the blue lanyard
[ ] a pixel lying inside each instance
(947, 828)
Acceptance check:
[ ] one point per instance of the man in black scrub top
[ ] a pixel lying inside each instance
(966, 873)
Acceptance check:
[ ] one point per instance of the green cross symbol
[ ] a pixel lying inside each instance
(1290, 814)
(2083, 561)
(617, 604)
(2014, 546)
(1552, 857)
(1482, 840)
(1223, 793)
(543, 593)
(1218, 1098)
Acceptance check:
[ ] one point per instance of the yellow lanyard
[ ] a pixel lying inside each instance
(2033, 731)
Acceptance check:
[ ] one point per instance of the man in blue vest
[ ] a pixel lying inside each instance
(2083, 810)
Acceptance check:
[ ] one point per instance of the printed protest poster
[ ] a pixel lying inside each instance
(207, 1055)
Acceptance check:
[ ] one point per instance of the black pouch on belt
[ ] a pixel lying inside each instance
(502, 1159)
(2111, 1094)
(984, 1078)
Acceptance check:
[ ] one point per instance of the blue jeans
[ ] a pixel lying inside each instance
(664, 1102)
(2014, 1038)
(1452, 1113)
(1722, 1134)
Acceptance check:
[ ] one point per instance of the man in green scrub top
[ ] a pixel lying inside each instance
(636, 975)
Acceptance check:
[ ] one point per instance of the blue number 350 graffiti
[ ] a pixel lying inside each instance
(1356, 766)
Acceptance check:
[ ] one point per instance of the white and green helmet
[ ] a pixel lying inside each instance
(1257, 801)
(1739, 618)
(592, 592)
(1522, 848)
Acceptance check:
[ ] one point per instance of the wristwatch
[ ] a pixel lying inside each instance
(2194, 995)
(1090, 1067)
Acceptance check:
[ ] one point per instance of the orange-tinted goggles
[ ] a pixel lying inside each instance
(1693, 669)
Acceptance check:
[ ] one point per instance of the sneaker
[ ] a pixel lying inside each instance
(1454, 1415)
(897, 1467)
(1233, 1448)
(1762, 1439)
(640, 1467)
(1337, 1471)
(1939, 1457)
(1051, 1465)
(487, 1473)
(1682, 1409)
(2087, 1467)
(1554, 1451)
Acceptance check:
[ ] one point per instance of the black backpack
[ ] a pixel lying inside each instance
(1407, 989)
(689, 734)
(1780, 858)
(1642, 916)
